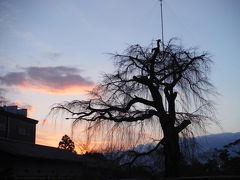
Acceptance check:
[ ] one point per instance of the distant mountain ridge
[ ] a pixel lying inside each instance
(206, 144)
(212, 141)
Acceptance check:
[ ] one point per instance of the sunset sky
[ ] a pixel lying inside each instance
(55, 50)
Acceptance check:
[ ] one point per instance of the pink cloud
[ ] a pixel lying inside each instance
(53, 80)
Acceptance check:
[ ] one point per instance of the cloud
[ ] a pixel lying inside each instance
(56, 80)
(6, 102)
(53, 55)
(3, 99)
(2, 91)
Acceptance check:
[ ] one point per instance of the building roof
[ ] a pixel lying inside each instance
(35, 151)
(29, 150)
(17, 116)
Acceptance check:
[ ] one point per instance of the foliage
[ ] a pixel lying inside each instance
(67, 144)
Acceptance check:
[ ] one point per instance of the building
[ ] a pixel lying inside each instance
(15, 125)
(21, 158)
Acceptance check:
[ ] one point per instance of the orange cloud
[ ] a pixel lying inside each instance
(67, 90)
(53, 80)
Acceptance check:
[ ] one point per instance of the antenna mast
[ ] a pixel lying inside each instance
(162, 21)
(161, 6)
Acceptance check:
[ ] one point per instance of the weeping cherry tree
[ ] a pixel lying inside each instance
(161, 91)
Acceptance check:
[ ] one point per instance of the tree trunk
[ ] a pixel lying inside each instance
(172, 153)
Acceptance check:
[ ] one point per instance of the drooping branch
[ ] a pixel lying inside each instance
(125, 109)
(137, 155)
(135, 92)
(137, 116)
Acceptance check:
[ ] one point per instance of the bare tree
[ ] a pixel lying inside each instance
(160, 90)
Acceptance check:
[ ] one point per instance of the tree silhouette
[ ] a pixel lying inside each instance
(67, 143)
(160, 89)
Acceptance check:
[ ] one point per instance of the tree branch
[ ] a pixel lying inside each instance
(178, 129)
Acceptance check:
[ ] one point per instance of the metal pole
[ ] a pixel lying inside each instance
(161, 5)
(162, 21)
